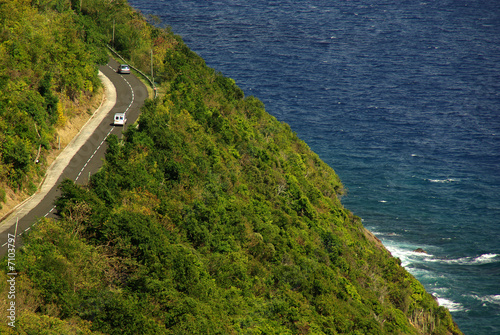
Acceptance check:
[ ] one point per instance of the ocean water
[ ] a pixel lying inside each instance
(402, 99)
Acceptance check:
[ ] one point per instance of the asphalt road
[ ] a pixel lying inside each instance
(84, 158)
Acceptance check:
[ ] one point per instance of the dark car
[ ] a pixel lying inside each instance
(123, 69)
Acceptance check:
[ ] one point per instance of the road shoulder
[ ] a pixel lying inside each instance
(59, 164)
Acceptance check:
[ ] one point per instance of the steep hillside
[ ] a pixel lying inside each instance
(208, 217)
(48, 75)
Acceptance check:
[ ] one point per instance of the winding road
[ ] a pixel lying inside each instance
(83, 155)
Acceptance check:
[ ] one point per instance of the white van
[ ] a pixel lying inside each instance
(119, 119)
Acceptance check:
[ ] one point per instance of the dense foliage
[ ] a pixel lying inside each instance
(47, 62)
(49, 55)
(210, 217)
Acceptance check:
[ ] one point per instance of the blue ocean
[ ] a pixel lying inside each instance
(402, 99)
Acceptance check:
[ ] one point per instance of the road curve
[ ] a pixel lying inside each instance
(83, 155)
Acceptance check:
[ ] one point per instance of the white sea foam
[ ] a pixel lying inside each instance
(407, 255)
(451, 305)
(447, 180)
(488, 299)
(483, 259)
(486, 258)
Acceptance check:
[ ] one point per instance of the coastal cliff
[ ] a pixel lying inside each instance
(208, 217)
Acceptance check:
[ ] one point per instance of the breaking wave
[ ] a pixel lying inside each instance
(447, 180)
(483, 259)
(451, 305)
(488, 299)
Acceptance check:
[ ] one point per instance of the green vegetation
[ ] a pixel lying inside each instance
(211, 217)
(47, 63)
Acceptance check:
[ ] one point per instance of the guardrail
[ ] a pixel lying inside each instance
(136, 69)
